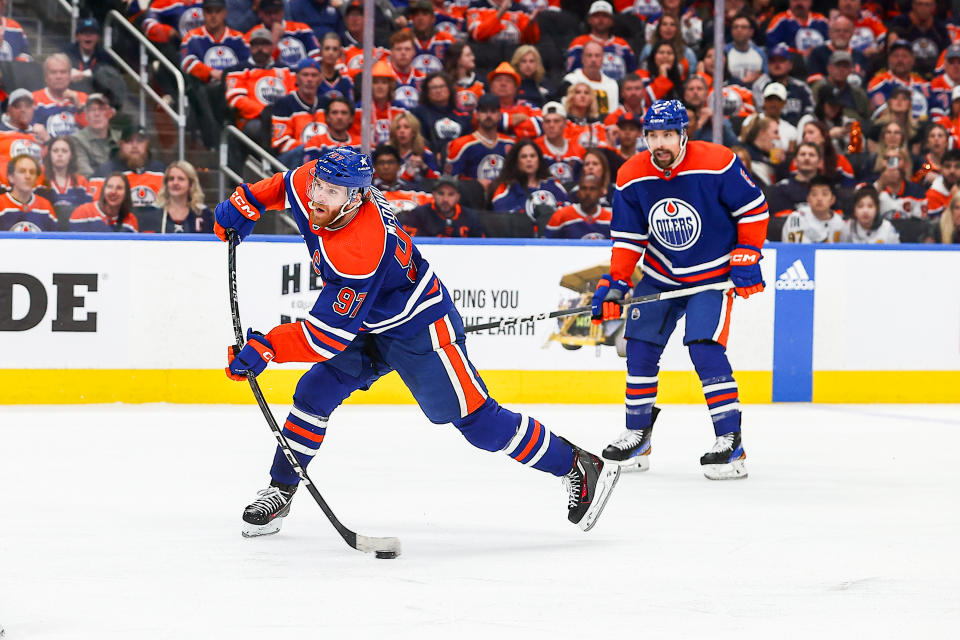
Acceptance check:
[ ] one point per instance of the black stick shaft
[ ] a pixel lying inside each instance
(349, 536)
(575, 311)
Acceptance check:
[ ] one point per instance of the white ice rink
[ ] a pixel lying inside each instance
(124, 522)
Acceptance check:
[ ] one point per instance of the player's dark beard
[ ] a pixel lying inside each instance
(664, 164)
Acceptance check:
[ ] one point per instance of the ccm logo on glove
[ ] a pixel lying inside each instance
(243, 206)
(743, 258)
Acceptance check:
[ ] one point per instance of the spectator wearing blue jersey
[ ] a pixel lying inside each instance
(444, 217)
(529, 64)
(585, 219)
(319, 14)
(419, 162)
(525, 184)
(333, 83)
(62, 185)
(440, 120)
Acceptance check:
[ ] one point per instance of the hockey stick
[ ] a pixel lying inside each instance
(382, 547)
(575, 311)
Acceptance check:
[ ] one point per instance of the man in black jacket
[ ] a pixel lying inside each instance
(445, 217)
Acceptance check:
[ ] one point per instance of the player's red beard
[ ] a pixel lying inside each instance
(320, 216)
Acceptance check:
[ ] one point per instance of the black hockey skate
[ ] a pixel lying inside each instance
(263, 516)
(589, 484)
(725, 460)
(631, 450)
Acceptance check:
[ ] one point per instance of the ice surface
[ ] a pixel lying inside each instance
(124, 522)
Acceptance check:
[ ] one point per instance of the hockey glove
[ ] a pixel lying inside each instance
(606, 299)
(240, 212)
(745, 270)
(252, 358)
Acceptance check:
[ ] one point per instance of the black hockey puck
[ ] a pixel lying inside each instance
(386, 555)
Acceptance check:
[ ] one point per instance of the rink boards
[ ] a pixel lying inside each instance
(98, 318)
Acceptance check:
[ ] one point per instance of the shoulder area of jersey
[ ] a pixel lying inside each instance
(357, 250)
(698, 156)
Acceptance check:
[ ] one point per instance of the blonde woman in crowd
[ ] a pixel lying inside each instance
(528, 63)
(418, 162)
(180, 203)
(949, 229)
(583, 114)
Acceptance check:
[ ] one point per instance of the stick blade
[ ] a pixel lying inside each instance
(369, 544)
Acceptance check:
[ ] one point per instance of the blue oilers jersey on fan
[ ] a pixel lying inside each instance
(516, 198)
(685, 221)
(374, 278)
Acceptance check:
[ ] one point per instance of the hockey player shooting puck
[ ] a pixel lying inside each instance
(386, 555)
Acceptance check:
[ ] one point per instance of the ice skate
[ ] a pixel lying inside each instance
(263, 516)
(589, 484)
(631, 450)
(725, 460)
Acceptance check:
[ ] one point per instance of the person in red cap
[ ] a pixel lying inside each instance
(384, 81)
(517, 117)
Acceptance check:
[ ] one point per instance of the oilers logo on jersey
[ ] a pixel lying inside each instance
(312, 129)
(466, 101)
(6, 51)
(406, 96)
(537, 198)
(447, 129)
(808, 39)
(61, 124)
(26, 147)
(675, 223)
(489, 168)
(428, 63)
(24, 226)
(190, 19)
(562, 171)
(269, 89)
(291, 50)
(614, 65)
(510, 34)
(220, 58)
(143, 197)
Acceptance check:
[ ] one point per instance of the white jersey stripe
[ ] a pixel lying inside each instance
(412, 300)
(641, 379)
(454, 381)
(302, 448)
(316, 421)
(711, 388)
(543, 447)
(721, 317)
(631, 247)
(640, 401)
(429, 302)
(323, 326)
(754, 218)
(518, 436)
(313, 345)
(747, 207)
(630, 236)
(704, 266)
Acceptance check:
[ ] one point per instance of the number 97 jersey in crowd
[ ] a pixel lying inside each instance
(374, 279)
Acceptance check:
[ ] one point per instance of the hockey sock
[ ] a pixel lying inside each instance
(304, 432)
(643, 364)
(719, 387)
(493, 428)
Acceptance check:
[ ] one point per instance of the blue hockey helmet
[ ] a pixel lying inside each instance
(344, 167)
(664, 115)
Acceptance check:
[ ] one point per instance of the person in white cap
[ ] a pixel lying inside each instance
(619, 58)
(774, 99)
(562, 155)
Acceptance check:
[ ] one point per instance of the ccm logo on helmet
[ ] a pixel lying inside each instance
(243, 206)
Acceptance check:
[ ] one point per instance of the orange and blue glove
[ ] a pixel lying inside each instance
(253, 358)
(745, 270)
(239, 212)
(606, 299)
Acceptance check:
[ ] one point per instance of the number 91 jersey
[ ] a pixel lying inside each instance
(685, 220)
(374, 278)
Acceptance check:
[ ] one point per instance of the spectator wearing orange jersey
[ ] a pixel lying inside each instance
(945, 185)
(112, 210)
(353, 40)
(339, 117)
(584, 125)
(563, 156)
(133, 160)
(384, 84)
(297, 117)
(661, 74)
(250, 90)
(506, 23)
(403, 195)
(18, 134)
(586, 219)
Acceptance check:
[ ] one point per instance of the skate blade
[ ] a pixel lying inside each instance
(632, 465)
(605, 484)
(735, 470)
(257, 530)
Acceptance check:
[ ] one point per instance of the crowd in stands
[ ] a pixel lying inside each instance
(500, 118)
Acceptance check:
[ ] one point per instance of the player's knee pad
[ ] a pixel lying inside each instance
(710, 360)
(490, 427)
(643, 358)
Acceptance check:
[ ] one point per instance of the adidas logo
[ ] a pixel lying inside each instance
(795, 278)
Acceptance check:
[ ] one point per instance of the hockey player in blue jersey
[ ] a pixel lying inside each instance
(381, 308)
(694, 216)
